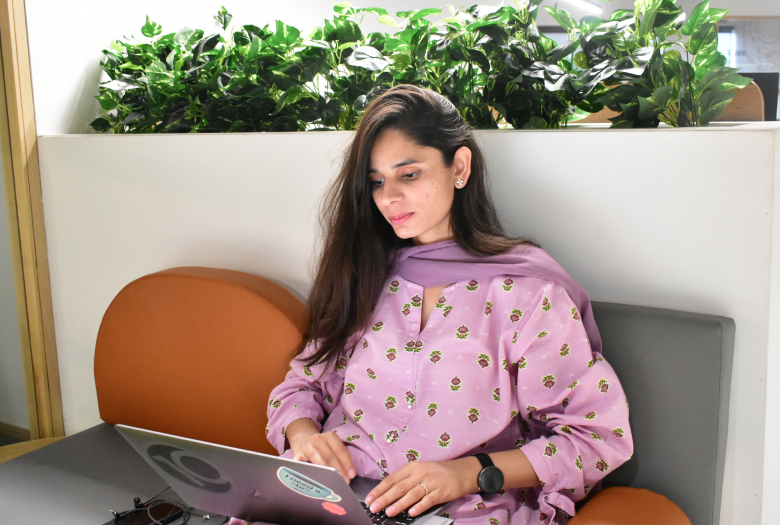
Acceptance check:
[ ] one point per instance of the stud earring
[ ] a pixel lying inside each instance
(459, 182)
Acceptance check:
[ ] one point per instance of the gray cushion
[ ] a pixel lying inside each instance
(675, 368)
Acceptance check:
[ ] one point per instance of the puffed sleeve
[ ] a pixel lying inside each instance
(307, 391)
(572, 396)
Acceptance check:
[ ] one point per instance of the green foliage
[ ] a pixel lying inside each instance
(491, 62)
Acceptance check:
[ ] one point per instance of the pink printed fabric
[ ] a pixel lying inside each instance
(502, 363)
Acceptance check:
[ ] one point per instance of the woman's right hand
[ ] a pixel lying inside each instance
(308, 444)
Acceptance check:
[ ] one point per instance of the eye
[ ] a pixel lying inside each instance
(377, 183)
(411, 176)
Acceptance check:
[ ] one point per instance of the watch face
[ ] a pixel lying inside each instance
(490, 480)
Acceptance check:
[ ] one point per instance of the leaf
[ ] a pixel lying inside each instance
(480, 58)
(722, 79)
(100, 125)
(648, 20)
(291, 96)
(223, 18)
(704, 40)
(654, 105)
(712, 104)
(254, 49)
(150, 28)
(184, 37)
(367, 57)
(697, 18)
(157, 67)
(387, 20)
(563, 18)
(108, 99)
(204, 46)
(424, 12)
(563, 50)
(401, 61)
(285, 36)
(621, 14)
(347, 31)
(580, 60)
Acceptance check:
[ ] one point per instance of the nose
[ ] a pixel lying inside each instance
(390, 193)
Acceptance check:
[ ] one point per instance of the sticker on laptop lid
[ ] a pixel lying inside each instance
(338, 510)
(305, 486)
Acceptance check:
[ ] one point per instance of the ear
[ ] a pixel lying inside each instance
(461, 167)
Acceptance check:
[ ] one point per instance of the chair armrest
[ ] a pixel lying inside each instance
(629, 506)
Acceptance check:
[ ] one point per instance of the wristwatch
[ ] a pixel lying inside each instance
(490, 479)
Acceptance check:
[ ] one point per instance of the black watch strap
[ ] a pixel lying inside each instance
(484, 459)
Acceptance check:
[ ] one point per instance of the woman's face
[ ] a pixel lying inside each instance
(412, 187)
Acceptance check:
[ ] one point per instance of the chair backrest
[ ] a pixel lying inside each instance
(675, 368)
(195, 352)
(747, 106)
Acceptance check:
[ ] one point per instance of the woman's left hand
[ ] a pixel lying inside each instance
(406, 487)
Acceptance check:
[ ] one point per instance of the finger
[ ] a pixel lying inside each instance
(342, 455)
(400, 489)
(415, 495)
(320, 453)
(428, 501)
(380, 494)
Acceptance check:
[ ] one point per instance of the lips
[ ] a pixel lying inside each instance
(400, 219)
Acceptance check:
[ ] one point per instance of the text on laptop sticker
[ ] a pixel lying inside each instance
(305, 486)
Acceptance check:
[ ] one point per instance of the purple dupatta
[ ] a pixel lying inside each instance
(445, 262)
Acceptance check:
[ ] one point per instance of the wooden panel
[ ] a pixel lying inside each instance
(29, 206)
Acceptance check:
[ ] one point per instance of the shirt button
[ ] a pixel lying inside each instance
(389, 440)
(409, 407)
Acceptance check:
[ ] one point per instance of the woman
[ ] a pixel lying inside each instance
(435, 337)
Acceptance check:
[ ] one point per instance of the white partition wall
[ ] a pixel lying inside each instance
(677, 219)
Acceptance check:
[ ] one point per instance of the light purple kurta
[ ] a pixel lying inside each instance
(502, 363)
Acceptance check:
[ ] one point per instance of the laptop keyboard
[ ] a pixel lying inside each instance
(381, 518)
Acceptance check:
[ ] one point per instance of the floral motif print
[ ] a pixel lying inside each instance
(307, 371)
(371, 374)
(508, 284)
(504, 364)
(603, 386)
(329, 399)
(414, 347)
(444, 440)
(446, 310)
(341, 363)
(514, 338)
(618, 432)
(565, 402)
(488, 308)
(473, 415)
(550, 450)
(515, 315)
(390, 402)
(440, 302)
(542, 334)
(365, 344)
(431, 410)
(602, 465)
(352, 438)
(548, 381)
(496, 394)
(522, 363)
(357, 415)
(546, 304)
(565, 350)
(565, 429)
(378, 326)
(410, 398)
(595, 436)
(493, 521)
(349, 389)
(406, 309)
(571, 386)
(590, 415)
(578, 462)
(382, 462)
(519, 442)
(574, 314)
(391, 354)
(412, 455)
(391, 436)
(435, 356)
(479, 505)
(394, 286)
(483, 360)
(473, 286)
(275, 403)
(513, 414)
(462, 333)
(455, 384)
(416, 301)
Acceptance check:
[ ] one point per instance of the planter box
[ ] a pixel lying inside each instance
(672, 218)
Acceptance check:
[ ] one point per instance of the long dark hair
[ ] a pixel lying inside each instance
(358, 240)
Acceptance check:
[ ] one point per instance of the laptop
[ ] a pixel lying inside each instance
(259, 487)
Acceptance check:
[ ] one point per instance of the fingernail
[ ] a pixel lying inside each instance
(390, 511)
(374, 507)
(351, 473)
(369, 499)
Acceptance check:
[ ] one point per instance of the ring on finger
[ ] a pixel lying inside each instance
(423, 487)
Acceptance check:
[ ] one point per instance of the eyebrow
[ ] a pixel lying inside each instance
(401, 164)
